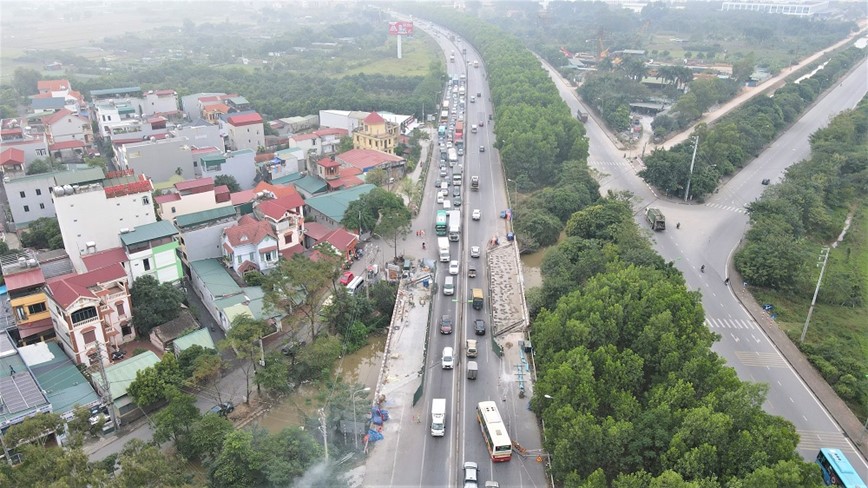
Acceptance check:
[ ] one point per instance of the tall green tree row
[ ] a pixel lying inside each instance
(736, 139)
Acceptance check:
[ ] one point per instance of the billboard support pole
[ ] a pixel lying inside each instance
(399, 45)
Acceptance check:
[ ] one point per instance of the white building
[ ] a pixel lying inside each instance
(192, 196)
(246, 131)
(30, 195)
(159, 159)
(319, 142)
(241, 165)
(151, 250)
(201, 134)
(250, 246)
(92, 216)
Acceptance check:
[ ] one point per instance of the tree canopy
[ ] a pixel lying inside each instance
(154, 303)
(43, 233)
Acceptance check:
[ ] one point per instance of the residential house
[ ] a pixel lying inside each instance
(283, 163)
(241, 165)
(127, 92)
(135, 130)
(192, 196)
(342, 119)
(246, 131)
(308, 186)
(29, 196)
(21, 394)
(368, 159)
(342, 241)
(251, 245)
(290, 125)
(405, 123)
(54, 90)
(285, 215)
(199, 337)
(63, 384)
(91, 313)
(376, 133)
(152, 250)
(201, 234)
(119, 377)
(160, 160)
(190, 104)
(16, 134)
(40, 106)
(12, 161)
(337, 176)
(319, 142)
(329, 209)
(66, 130)
(114, 113)
(163, 336)
(160, 102)
(238, 104)
(91, 217)
(201, 134)
(24, 282)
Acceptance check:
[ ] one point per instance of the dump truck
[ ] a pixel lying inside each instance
(655, 219)
(443, 246)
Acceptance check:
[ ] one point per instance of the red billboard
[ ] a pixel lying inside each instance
(401, 28)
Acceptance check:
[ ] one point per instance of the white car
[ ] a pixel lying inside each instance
(453, 267)
(475, 251)
(471, 475)
(439, 197)
(477, 214)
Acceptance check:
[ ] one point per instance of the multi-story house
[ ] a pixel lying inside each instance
(285, 215)
(134, 130)
(92, 216)
(368, 159)
(376, 133)
(201, 234)
(192, 196)
(24, 283)
(90, 313)
(190, 104)
(112, 113)
(319, 142)
(201, 133)
(152, 250)
(250, 246)
(246, 131)
(241, 165)
(160, 102)
(159, 159)
(58, 90)
(15, 133)
(64, 126)
(29, 196)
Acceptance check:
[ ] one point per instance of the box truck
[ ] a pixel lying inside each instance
(443, 246)
(438, 417)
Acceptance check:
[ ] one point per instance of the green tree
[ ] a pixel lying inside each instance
(41, 166)
(295, 285)
(143, 464)
(229, 181)
(173, 421)
(53, 467)
(245, 339)
(154, 303)
(273, 377)
(377, 176)
(240, 463)
(37, 430)
(394, 223)
(315, 360)
(346, 144)
(25, 81)
(43, 233)
(206, 438)
(292, 451)
(154, 385)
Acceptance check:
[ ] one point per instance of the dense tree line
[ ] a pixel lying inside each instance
(737, 138)
(793, 220)
(629, 389)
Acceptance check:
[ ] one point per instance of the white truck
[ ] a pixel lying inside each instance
(454, 225)
(443, 246)
(438, 417)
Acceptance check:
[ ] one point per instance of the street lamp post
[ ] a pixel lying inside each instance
(508, 203)
(353, 396)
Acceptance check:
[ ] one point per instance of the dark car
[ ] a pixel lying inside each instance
(445, 324)
(222, 409)
(479, 326)
(456, 191)
(766, 181)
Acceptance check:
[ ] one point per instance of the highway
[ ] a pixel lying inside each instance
(440, 459)
(709, 235)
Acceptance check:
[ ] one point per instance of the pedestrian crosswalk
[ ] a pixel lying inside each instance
(813, 440)
(729, 323)
(728, 208)
(761, 359)
(621, 164)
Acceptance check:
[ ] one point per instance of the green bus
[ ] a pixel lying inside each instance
(441, 223)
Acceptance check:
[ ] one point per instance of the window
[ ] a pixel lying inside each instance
(83, 314)
(26, 208)
(147, 264)
(41, 152)
(173, 209)
(38, 191)
(120, 307)
(36, 308)
(42, 206)
(89, 336)
(21, 193)
(126, 330)
(146, 200)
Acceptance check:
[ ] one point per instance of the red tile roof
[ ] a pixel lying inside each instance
(33, 328)
(67, 289)
(216, 107)
(248, 233)
(365, 159)
(190, 184)
(350, 181)
(351, 171)
(332, 131)
(289, 252)
(316, 230)
(277, 208)
(374, 118)
(245, 119)
(14, 130)
(52, 85)
(242, 196)
(164, 92)
(57, 146)
(278, 190)
(12, 155)
(105, 258)
(168, 197)
(341, 239)
(24, 280)
(328, 163)
(50, 119)
(261, 158)
(204, 150)
(304, 137)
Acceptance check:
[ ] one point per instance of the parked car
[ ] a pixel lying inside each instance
(479, 326)
(445, 324)
(766, 181)
(347, 277)
(222, 409)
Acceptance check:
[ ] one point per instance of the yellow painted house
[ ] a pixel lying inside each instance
(376, 133)
(27, 300)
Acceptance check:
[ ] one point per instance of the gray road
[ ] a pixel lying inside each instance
(708, 236)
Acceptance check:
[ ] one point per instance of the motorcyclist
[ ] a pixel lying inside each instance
(702, 268)
(678, 225)
(423, 245)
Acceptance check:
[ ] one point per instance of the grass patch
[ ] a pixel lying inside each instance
(837, 338)
(418, 54)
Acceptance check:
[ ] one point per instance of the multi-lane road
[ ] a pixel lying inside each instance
(709, 234)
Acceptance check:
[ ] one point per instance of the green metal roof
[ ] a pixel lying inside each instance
(216, 278)
(290, 178)
(149, 232)
(63, 383)
(200, 337)
(311, 184)
(115, 91)
(197, 218)
(333, 205)
(120, 375)
(89, 175)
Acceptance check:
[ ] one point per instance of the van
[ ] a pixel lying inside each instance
(438, 417)
(478, 298)
(357, 283)
(447, 204)
(444, 185)
(447, 361)
(470, 347)
(449, 285)
(472, 370)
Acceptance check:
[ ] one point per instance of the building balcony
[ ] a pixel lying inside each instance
(84, 322)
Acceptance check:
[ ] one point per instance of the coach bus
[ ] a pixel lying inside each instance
(837, 470)
(494, 432)
(440, 225)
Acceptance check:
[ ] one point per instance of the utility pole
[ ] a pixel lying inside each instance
(107, 392)
(324, 430)
(824, 255)
(692, 162)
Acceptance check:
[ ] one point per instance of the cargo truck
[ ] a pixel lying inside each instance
(582, 115)
(443, 246)
(454, 225)
(655, 219)
(438, 417)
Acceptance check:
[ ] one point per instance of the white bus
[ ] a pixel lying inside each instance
(452, 155)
